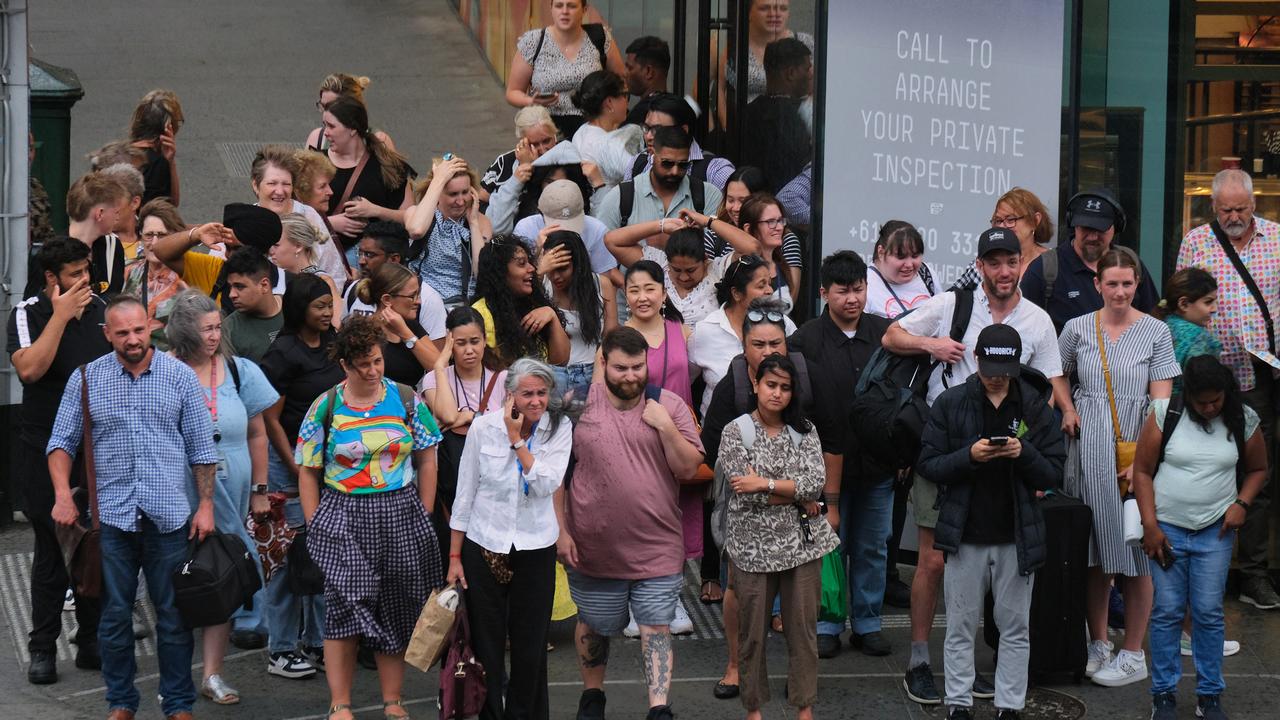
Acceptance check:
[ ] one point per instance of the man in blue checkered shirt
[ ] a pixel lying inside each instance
(148, 418)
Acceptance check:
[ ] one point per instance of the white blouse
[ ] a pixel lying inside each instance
(493, 506)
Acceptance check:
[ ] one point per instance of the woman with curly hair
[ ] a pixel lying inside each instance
(520, 321)
(369, 531)
(585, 299)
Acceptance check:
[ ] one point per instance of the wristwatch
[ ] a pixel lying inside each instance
(259, 489)
(517, 445)
(1242, 503)
(771, 486)
(408, 344)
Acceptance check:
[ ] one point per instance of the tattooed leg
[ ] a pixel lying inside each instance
(659, 661)
(593, 656)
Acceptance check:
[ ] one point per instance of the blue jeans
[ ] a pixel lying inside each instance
(157, 554)
(1197, 578)
(289, 617)
(866, 520)
(576, 378)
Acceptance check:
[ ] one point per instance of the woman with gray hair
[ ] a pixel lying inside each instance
(236, 392)
(503, 546)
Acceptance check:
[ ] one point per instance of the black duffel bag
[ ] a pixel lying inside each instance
(304, 576)
(219, 576)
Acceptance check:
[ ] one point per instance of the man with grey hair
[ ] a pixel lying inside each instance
(1242, 252)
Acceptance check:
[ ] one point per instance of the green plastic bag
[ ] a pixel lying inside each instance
(835, 588)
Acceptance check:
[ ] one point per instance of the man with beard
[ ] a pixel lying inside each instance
(1242, 251)
(658, 196)
(927, 330)
(619, 514)
(1063, 284)
(148, 418)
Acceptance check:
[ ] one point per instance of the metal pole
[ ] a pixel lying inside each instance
(1073, 100)
(679, 28)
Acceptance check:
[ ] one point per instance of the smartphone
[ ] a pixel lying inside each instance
(447, 157)
(515, 414)
(1167, 555)
(999, 440)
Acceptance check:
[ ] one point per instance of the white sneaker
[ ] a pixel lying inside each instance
(682, 625)
(289, 665)
(69, 601)
(632, 630)
(1229, 647)
(1128, 667)
(1099, 656)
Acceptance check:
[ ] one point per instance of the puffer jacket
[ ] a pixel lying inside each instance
(955, 424)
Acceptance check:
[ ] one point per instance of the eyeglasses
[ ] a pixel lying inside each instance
(408, 296)
(651, 129)
(774, 222)
(154, 235)
(682, 165)
(369, 254)
(756, 316)
(1010, 221)
(749, 262)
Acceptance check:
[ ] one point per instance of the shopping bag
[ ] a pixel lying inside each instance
(835, 588)
(431, 634)
(562, 607)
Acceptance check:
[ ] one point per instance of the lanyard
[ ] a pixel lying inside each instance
(524, 484)
(212, 402)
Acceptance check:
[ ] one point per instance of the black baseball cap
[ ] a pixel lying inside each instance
(254, 226)
(1095, 209)
(998, 238)
(999, 351)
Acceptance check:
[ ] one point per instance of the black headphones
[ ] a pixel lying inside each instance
(1104, 195)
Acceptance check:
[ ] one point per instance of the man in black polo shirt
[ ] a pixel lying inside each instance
(837, 345)
(1061, 280)
(50, 336)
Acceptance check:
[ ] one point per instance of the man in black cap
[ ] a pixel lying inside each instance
(989, 525)
(1061, 281)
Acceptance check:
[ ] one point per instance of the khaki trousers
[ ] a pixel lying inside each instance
(801, 590)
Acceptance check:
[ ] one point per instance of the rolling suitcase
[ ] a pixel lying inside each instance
(1058, 636)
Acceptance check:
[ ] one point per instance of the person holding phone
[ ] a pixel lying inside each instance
(1201, 462)
(989, 524)
(504, 532)
(154, 130)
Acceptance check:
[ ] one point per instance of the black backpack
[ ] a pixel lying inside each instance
(889, 411)
(627, 198)
(219, 576)
(1171, 417)
(697, 171)
(595, 33)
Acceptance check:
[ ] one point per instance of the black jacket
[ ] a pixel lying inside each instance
(955, 424)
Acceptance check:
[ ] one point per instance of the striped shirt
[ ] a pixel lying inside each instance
(146, 430)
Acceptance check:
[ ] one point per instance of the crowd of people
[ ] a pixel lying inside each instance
(586, 366)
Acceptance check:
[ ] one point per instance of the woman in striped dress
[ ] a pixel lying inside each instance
(1139, 355)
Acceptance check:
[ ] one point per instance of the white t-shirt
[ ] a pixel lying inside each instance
(933, 319)
(881, 298)
(714, 344)
(701, 300)
(593, 231)
(1196, 483)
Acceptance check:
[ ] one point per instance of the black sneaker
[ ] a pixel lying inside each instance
(1209, 707)
(982, 687)
(660, 712)
(959, 712)
(897, 594)
(591, 705)
(828, 646)
(1259, 593)
(1008, 715)
(1164, 706)
(43, 669)
(872, 643)
(921, 688)
(248, 639)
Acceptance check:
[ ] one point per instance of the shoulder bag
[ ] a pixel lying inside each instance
(1124, 449)
(81, 543)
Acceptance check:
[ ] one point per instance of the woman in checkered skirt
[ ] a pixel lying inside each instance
(369, 527)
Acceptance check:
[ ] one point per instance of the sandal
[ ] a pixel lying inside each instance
(711, 592)
(776, 624)
(394, 716)
(217, 690)
(335, 709)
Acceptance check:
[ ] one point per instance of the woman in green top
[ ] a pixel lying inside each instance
(1190, 301)
(520, 321)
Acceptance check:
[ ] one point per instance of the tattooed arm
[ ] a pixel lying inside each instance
(202, 521)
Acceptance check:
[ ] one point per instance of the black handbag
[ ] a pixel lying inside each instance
(305, 577)
(219, 576)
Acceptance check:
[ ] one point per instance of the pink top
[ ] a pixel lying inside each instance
(669, 362)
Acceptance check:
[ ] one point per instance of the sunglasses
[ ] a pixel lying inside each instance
(756, 316)
(683, 165)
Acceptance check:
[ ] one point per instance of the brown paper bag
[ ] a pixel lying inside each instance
(432, 631)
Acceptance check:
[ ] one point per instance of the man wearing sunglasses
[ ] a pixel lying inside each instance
(649, 206)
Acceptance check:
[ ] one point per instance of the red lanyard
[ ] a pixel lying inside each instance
(212, 402)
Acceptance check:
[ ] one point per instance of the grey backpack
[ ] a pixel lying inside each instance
(721, 489)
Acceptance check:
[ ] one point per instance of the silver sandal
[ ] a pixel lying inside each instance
(217, 690)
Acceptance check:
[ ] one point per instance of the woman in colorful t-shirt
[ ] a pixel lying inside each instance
(1189, 303)
(356, 442)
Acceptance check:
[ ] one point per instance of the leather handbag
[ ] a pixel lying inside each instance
(1125, 450)
(219, 576)
(81, 543)
(462, 679)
